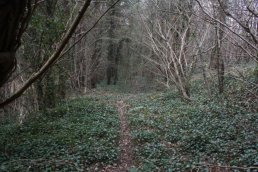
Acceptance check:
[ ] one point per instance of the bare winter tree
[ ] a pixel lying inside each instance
(236, 21)
(169, 38)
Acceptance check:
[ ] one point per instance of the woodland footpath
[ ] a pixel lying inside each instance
(129, 85)
(157, 131)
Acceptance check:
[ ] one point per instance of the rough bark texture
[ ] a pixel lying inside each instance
(220, 59)
(217, 60)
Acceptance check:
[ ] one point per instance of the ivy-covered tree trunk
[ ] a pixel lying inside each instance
(95, 58)
(47, 83)
(47, 88)
(112, 66)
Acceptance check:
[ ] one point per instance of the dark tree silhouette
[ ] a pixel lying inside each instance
(14, 17)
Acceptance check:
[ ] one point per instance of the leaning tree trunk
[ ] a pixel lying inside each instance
(14, 16)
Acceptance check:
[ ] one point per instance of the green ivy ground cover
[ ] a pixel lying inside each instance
(73, 137)
(168, 134)
(172, 135)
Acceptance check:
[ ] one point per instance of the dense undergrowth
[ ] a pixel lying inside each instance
(73, 137)
(211, 132)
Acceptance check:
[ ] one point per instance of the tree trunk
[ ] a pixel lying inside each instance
(218, 49)
(112, 49)
(47, 88)
(95, 58)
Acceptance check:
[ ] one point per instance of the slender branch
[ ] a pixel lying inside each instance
(244, 26)
(94, 25)
(226, 26)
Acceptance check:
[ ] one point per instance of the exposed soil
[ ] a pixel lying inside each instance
(125, 143)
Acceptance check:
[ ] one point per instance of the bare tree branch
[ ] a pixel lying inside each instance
(226, 26)
(94, 25)
(244, 26)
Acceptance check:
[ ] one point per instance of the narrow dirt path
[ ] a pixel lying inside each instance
(125, 143)
(126, 139)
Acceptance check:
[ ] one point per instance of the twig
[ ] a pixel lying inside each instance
(94, 25)
(226, 26)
